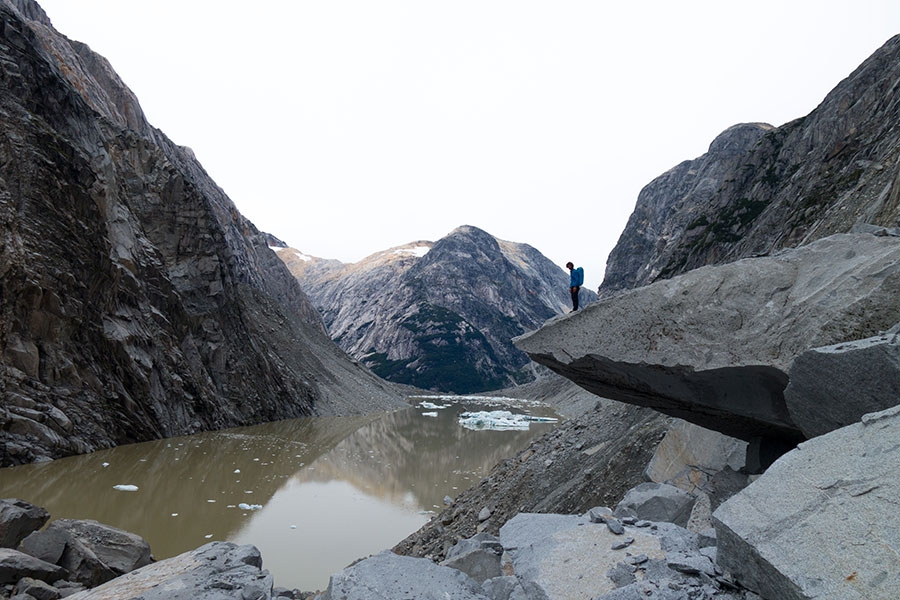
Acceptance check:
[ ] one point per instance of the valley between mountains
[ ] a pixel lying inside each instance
(741, 359)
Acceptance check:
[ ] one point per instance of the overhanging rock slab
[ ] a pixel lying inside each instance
(714, 346)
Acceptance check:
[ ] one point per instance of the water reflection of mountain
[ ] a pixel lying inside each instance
(406, 453)
(193, 477)
(189, 488)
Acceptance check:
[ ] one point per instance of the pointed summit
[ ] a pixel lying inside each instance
(442, 319)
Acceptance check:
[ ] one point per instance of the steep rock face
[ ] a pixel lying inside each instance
(135, 301)
(438, 315)
(759, 189)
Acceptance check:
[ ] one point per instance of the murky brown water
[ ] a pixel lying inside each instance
(321, 492)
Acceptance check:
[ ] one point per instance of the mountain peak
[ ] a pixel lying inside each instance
(444, 319)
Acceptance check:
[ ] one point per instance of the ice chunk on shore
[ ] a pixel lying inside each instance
(125, 487)
(499, 420)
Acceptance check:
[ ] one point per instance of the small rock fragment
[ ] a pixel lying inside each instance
(615, 526)
(623, 544)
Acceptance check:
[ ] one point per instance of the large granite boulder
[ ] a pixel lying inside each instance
(478, 557)
(18, 519)
(821, 522)
(216, 571)
(834, 386)
(388, 576)
(656, 502)
(92, 553)
(690, 456)
(15, 565)
(714, 346)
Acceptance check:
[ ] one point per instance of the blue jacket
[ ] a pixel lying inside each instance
(576, 278)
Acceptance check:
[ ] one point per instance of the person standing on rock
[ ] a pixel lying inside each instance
(576, 280)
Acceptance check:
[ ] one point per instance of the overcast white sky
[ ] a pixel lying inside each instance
(347, 127)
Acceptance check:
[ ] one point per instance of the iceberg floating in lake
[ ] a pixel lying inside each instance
(499, 420)
(125, 488)
(430, 402)
(429, 414)
(244, 506)
(430, 405)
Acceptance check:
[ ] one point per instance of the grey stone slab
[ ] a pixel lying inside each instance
(834, 386)
(388, 576)
(568, 556)
(14, 565)
(656, 502)
(18, 519)
(821, 522)
(216, 571)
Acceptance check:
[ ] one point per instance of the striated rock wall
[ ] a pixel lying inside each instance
(760, 189)
(135, 300)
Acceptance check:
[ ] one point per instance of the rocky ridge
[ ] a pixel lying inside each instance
(137, 302)
(761, 188)
(438, 315)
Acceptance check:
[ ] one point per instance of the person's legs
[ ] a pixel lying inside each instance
(575, 291)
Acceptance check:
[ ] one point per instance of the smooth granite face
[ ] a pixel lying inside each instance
(822, 521)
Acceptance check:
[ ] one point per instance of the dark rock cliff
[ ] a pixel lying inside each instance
(439, 315)
(760, 189)
(135, 300)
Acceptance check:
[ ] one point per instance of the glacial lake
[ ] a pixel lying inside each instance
(313, 494)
